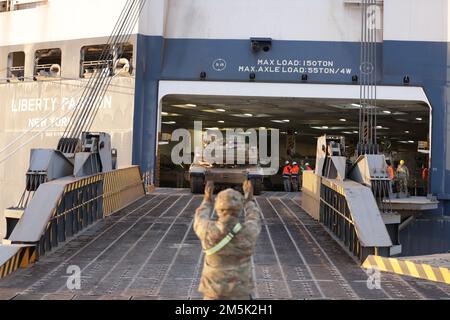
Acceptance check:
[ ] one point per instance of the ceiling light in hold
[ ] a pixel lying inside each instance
(406, 131)
(248, 115)
(164, 114)
(221, 121)
(347, 132)
(277, 121)
(343, 120)
(221, 110)
(410, 141)
(398, 113)
(323, 127)
(185, 105)
(169, 122)
(355, 131)
(419, 119)
(286, 121)
(213, 129)
(387, 112)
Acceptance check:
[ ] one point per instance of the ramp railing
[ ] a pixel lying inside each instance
(80, 205)
(90, 199)
(335, 215)
(82, 202)
(120, 188)
(350, 212)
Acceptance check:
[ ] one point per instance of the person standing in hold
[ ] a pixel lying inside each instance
(308, 167)
(287, 176)
(425, 178)
(402, 177)
(302, 168)
(390, 171)
(295, 174)
(228, 245)
(302, 165)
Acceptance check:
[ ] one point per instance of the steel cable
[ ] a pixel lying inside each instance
(93, 78)
(101, 92)
(368, 80)
(97, 108)
(101, 76)
(85, 119)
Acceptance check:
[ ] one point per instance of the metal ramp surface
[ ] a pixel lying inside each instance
(149, 251)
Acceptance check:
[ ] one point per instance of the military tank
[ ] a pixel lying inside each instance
(230, 174)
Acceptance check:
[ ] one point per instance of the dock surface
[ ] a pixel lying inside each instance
(150, 251)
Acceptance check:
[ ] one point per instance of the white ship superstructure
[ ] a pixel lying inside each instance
(48, 52)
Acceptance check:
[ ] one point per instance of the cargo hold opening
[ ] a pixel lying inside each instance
(403, 130)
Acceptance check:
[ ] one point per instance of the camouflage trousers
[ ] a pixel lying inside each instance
(403, 184)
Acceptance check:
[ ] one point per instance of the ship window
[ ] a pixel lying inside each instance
(97, 58)
(47, 63)
(16, 65)
(11, 5)
(5, 6)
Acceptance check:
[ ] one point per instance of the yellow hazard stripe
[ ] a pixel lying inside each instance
(408, 268)
(412, 269)
(396, 266)
(21, 259)
(445, 274)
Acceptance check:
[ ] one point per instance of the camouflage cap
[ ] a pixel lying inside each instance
(229, 199)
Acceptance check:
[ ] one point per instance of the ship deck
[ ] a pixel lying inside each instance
(150, 251)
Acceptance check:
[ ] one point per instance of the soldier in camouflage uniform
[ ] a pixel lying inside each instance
(402, 177)
(227, 244)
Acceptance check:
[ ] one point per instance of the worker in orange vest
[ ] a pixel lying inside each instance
(390, 171)
(287, 176)
(425, 178)
(295, 173)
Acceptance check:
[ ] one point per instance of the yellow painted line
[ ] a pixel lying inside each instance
(396, 266)
(380, 263)
(412, 269)
(445, 274)
(366, 264)
(16, 266)
(429, 272)
(393, 265)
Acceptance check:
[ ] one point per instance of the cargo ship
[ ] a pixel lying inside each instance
(289, 65)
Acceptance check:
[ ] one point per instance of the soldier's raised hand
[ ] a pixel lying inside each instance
(248, 190)
(209, 191)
